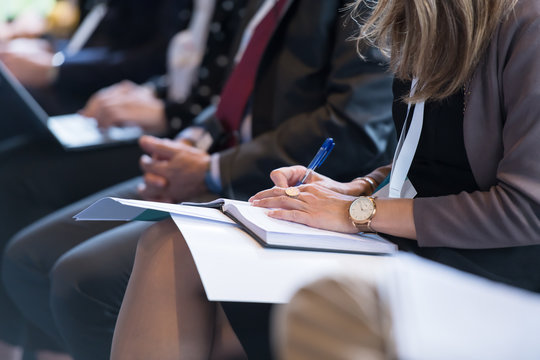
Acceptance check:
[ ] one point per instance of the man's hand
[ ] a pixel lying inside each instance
(31, 69)
(95, 102)
(126, 103)
(174, 172)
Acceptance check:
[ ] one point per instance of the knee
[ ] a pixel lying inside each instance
(67, 298)
(157, 236)
(13, 253)
(21, 267)
(65, 276)
(90, 279)
(82, 305)
(73, 285)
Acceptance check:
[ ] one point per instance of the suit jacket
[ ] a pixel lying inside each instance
(311, 84)
(130, 43)
(502, 140)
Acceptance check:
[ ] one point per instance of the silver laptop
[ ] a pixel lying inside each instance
(73, 131)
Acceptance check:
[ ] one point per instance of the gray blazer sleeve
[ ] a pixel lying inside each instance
(502, 138)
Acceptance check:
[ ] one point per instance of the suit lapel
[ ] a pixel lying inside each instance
(271, 52)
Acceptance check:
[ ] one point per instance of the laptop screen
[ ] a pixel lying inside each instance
(21, 114)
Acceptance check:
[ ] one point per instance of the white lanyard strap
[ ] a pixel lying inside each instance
(406, 147)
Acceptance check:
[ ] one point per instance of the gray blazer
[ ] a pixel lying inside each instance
(502, 140)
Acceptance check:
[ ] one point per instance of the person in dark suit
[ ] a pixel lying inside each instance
(310, 85)
(130, 42)
(37, 177)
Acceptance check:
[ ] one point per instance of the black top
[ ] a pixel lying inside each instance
(225, 24)
(440, 165)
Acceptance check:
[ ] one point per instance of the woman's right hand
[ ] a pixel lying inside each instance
(289, 176)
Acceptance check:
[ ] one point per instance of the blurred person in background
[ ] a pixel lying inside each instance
(117, 40)
(37, 178)
(130, 41)
(36, 18)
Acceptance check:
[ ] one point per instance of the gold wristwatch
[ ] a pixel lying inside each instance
(362, 211)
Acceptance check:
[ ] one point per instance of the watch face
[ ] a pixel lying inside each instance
(361, 209)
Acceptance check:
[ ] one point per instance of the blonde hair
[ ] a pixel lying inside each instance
(439, 42)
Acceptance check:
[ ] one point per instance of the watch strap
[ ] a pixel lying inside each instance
(364, 227)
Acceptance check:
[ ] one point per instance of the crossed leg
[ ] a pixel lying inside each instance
(165, 313)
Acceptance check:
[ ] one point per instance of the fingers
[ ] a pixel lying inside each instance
(280, 177)
(160, 148)
(283, 202)
(101, 107)
(157, 167)
(287, 176)
(280, 191)
(126, 85)
(93, 105)
(111, 115)
(277, 198)
(156, 181)
(111, 111)
(272, 192)
(150, 193)
(121, 88)
(300, 217)
(103, 101)
(154, 187)
(296, 216)
(276, 191)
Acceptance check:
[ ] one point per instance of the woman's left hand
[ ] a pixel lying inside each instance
(315, 206)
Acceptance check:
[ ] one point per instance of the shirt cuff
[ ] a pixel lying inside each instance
(213, 176)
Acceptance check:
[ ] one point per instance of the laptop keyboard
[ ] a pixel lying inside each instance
(75, 130)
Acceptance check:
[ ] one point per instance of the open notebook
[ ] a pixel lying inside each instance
(268, 231)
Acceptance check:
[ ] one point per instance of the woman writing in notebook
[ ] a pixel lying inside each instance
(465, 184)
(475, 170)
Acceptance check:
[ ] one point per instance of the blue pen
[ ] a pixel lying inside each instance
(319, 158)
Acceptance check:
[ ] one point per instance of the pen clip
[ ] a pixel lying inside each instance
(328, 145)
